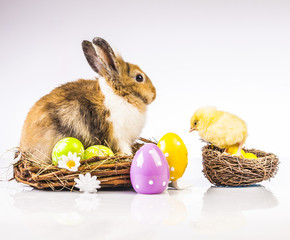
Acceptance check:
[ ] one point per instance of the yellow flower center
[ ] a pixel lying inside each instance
(71, 164)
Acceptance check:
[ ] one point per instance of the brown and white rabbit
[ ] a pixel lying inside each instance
(108, 110)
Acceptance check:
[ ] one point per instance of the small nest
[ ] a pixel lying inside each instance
(112, 172)
(226, 170)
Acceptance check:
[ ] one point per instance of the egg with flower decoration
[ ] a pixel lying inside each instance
(149, 171)
(67, 147)
(175, 152)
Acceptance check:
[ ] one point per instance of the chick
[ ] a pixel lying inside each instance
(222, 129)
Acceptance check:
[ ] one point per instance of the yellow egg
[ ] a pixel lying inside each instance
(175, 152)
(250, 156)
(98, 150)
(233, 150)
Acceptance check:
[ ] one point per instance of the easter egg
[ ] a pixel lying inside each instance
(97, 150)
(175, 152)
(250, 155)
(149, 171)
(233, 150)
(66, 145)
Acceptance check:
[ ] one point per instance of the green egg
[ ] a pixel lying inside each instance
(97, 150)
(66, 145)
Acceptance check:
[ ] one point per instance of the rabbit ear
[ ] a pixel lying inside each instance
(100, 56)
(91, 56)
(106, 53)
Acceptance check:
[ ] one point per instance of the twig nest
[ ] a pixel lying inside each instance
(227, 170)
(111, 171)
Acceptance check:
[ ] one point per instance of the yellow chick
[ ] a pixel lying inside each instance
(219, 128)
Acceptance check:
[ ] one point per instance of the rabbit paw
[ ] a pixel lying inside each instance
(125, 149)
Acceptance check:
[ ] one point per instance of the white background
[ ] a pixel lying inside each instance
(234, 55)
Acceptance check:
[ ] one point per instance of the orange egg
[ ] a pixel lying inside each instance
(175, 152)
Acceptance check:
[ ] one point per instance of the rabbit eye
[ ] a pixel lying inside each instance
(139, 78)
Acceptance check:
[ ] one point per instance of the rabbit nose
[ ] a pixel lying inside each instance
(153, 95)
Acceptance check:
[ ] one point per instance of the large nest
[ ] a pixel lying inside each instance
(226, 170)
(110, 171)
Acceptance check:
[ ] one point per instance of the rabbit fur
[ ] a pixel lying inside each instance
(108, 110)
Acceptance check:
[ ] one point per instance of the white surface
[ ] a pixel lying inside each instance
(199, 212)
(231, 54)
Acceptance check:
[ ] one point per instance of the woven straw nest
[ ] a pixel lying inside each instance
(110, 171)
(227, 170)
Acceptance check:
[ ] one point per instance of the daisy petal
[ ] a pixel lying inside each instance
(61, 164)
(73, 169)
(64, 158)
(94, 178)
(87, 176)
(78, 181)
(81, 177)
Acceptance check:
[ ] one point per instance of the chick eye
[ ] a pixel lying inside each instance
(195, 123)
(139, 78)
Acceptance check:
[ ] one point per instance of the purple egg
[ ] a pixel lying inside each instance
(149, 170)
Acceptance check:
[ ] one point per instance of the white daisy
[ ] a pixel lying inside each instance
(87, 183)
(70, 162)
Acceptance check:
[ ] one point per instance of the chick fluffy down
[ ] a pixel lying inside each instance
(227, 131)
(220, 128)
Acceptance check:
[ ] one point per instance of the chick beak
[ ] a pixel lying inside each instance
(192, 129)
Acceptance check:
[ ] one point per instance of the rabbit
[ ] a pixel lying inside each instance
(108, 110)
